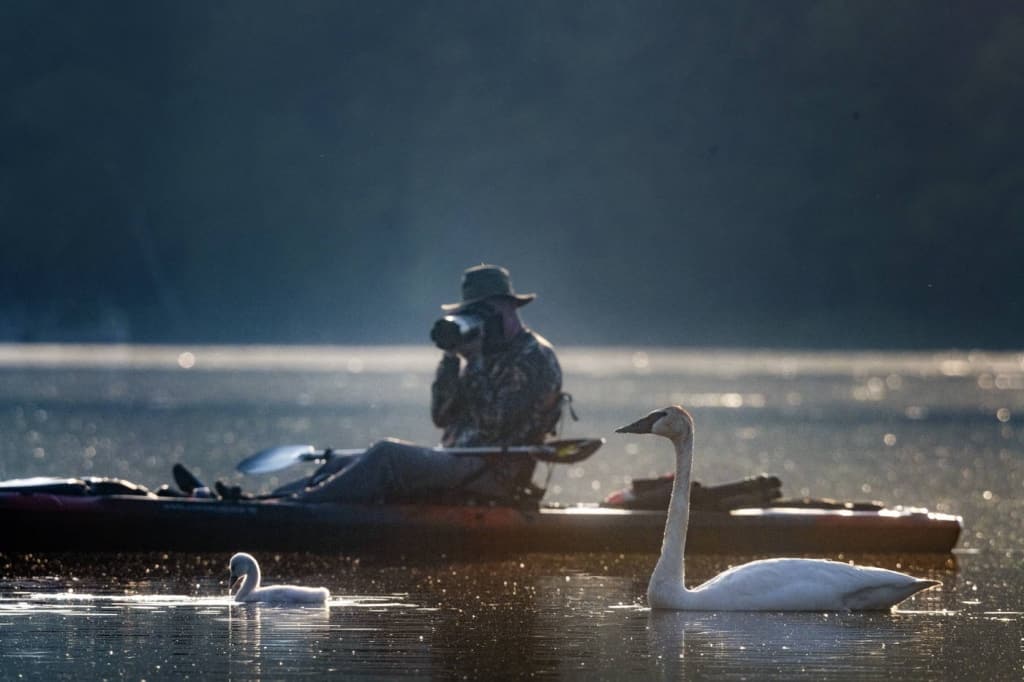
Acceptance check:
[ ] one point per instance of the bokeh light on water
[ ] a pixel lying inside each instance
(157, 616)
(936, 430)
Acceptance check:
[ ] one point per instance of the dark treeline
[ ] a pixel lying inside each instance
(818, 174)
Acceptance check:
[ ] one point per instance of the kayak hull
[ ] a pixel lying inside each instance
(48, 522)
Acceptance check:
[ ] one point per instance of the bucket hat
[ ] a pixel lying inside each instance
(484, 281)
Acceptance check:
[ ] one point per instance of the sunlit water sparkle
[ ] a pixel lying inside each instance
(940, 430)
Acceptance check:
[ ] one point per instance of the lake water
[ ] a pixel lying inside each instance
(939, 430)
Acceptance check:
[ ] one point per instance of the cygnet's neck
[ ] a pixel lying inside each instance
(250, 582)
(670, 566)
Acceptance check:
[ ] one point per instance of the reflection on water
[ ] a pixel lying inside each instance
(169, 633)
(780, 646)
(541, 615)
(929, 430)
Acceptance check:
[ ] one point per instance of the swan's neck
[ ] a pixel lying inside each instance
(670, 567)
(250, 582)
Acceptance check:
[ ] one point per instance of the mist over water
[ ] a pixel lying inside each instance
(745, 174)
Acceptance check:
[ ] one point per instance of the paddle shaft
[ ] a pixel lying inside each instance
(482, 450)
(282, 456)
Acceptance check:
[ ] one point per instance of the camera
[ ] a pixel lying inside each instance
(452, 331)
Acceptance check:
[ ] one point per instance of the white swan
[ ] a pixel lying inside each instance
(244, 569)
(766, 585)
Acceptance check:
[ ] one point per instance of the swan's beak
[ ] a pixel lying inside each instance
(234, 582)
(642, 425)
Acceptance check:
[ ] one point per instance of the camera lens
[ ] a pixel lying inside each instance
(452, 331)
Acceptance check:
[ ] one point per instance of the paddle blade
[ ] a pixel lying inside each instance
(277, 458)
(569, 451)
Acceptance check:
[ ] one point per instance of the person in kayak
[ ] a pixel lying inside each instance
(497, 383)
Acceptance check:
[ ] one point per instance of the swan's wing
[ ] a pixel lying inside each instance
(807, 584)
(750, 583)
(290, 594)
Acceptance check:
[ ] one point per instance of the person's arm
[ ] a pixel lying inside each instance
(445, 403)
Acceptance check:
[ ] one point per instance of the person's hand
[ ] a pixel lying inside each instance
(472, 349)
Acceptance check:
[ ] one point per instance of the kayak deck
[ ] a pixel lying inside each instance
(46, 522)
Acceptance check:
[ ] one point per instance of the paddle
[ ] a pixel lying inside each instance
(557, 452)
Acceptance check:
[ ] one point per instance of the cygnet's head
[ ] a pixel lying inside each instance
(672, 422)
(240, 565)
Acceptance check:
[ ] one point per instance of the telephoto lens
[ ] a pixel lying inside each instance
(452, 331)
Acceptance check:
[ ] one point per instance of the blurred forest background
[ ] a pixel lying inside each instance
(743, 173)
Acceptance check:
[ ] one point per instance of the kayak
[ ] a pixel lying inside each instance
(60, 515)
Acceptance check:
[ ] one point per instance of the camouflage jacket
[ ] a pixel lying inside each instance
(507, 397)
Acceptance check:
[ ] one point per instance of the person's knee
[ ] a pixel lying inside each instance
(377, 453)
(389, 451)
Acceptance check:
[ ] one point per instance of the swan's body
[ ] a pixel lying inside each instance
(767, 585)
(245, 569)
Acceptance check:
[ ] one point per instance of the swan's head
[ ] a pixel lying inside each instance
(241, 565)
(672, 422)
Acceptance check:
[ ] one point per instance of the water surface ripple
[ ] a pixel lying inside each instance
(939, 430)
